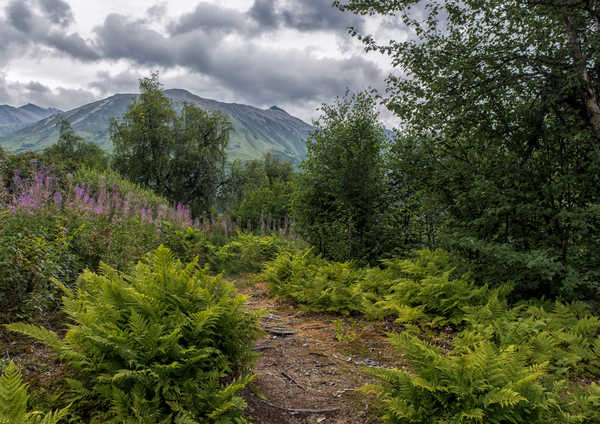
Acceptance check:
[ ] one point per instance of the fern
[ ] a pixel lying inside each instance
(14, 398)
(420, 289)
(156, 345)
(485, 384)
(565, 335)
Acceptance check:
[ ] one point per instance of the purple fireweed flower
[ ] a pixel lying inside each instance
(115, 186)
(16, 171)
(57, 199)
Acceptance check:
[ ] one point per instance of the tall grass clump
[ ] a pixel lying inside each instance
(164, 343)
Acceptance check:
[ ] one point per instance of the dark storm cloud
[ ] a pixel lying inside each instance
(57, 11)
(263, 12)
(255, 73)
(291, 76)
(209, 17)
(26, 27)
(315, 15)
(73, 45)
(265, 16)
(19, 16)
(122, 38)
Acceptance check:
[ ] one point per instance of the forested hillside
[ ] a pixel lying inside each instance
(447, 274)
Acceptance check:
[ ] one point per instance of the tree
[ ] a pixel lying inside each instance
(500, 103)
(179, 156)
(259, 190)
(339, 195)
(74, 151)
(197, 167)
(143, 140)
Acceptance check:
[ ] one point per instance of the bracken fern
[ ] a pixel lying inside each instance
(156, 345)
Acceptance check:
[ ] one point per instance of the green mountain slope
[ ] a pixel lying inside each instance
(257, 131)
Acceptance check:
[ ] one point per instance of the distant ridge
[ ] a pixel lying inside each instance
(14, 118)
(257, 131)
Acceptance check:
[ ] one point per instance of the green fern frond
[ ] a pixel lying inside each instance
(13, 394)
(47, 337)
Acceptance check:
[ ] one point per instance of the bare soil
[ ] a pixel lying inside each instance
(310, 368)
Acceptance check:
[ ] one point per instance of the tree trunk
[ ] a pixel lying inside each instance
(592, 101)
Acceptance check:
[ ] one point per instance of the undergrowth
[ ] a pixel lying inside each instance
(166, 342)
(506, 363)
(14, 399)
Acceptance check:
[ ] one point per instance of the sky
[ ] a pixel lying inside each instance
(295, 54)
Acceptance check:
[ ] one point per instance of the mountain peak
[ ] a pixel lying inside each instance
(277, 108)
(178, 91)
(32, 108)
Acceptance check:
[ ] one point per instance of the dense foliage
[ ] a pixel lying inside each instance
(178, 156)
(258, 193)
(156, 344)
(505, 363)
(339, 198)
(501, 129)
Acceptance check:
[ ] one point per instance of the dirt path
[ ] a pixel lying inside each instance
(311, 364)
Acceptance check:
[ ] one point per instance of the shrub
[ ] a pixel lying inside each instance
(316, 284)
(160, 343)
(14, 398)
(242, 253)
(246, 253)
(425, 289)
(565, 335)
(34, 250)
(485, 384)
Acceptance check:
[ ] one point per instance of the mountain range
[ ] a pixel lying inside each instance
(14, 118)
(256, 131)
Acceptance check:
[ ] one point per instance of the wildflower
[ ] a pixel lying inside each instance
(57, 199)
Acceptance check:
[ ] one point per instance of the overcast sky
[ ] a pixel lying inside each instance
(292, 53)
